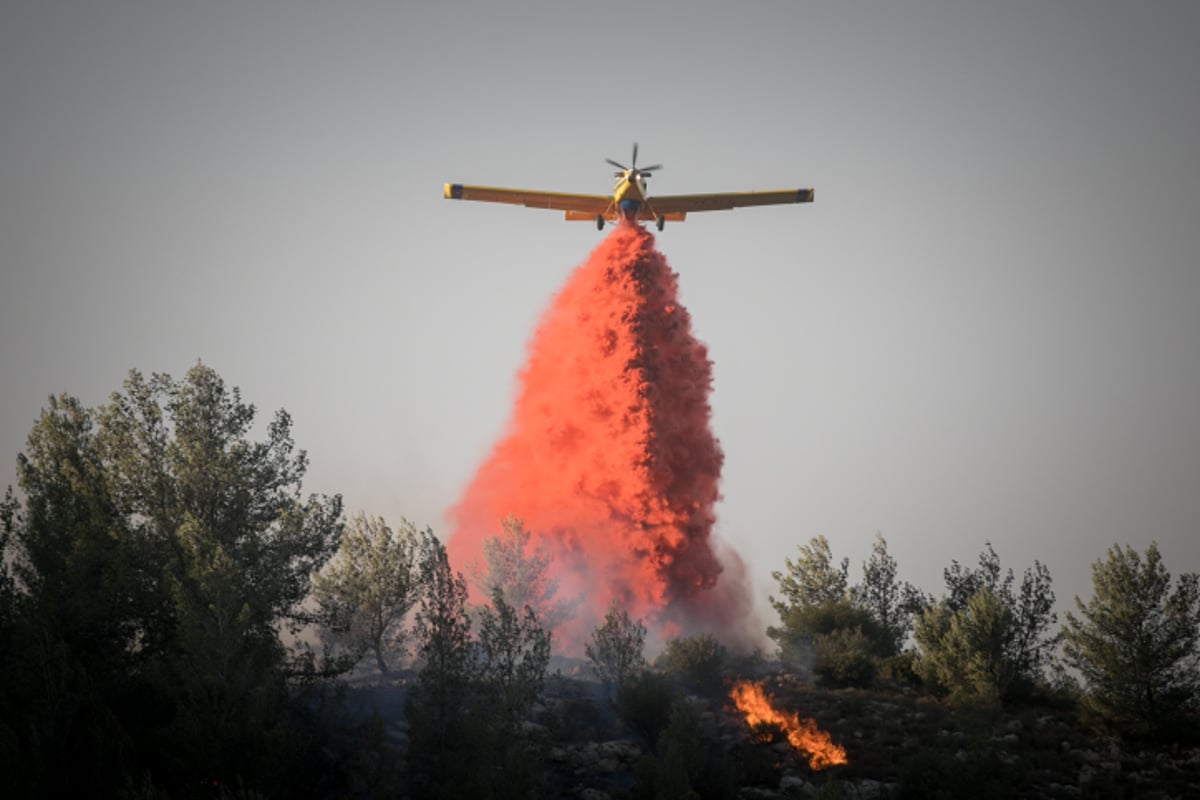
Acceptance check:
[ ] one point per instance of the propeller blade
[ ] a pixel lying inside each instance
(615, 164)
(635, 155)
(649, 169)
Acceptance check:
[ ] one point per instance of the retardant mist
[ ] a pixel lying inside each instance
(609, 457)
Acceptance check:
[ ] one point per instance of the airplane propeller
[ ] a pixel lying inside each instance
(634, 170)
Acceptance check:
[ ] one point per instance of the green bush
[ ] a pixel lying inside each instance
(644, 702)
(842, 642)
(685, 764)
(844, 658)
(963, 652)
(939, 775)
(900, 669)
(698, 661)
(679, 754)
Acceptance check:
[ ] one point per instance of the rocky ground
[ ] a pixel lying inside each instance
(898, 744)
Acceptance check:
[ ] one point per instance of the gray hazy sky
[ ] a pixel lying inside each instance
(985, 328)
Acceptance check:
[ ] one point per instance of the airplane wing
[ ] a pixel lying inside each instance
(588, 205)
(684, 203)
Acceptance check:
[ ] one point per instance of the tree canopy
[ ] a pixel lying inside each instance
(521, 572)
(812, 579)
(983, 639)
(367, 590)
(1136, 641)
(159, 552)
(616, 648)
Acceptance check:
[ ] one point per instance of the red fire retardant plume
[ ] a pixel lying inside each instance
(609, 457)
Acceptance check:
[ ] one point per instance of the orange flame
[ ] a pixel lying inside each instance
(803, 734)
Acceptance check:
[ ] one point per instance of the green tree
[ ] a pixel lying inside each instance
(77, 559)
(368, 589)
(514, 653)
(160, 552)
(1028, 646)
(812, 579)
(890, 603)
(440, 737)
(240, 545)
(964, 651)
(11, 711)
(521, 573)
(180, 458)
(842, 632)
(79, 611)
(1137, 641)
(9, 597)
(616, 647)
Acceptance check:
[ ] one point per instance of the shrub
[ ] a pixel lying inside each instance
(644, 703)
(963, 651)
(900, 669)
(685, 763)
(616, 647)
(841, 640)
(939, 775)
(1026, 649)
(844, 658)
(696, 660)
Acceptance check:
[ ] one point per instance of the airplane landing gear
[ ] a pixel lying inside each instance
(660, 222)
(599, 222)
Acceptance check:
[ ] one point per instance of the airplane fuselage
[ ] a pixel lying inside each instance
(628, 195)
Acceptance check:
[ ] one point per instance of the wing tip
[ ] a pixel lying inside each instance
(805, 195)
(452, 191)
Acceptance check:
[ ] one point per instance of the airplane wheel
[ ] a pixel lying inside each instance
(599, 222)
(660, 222)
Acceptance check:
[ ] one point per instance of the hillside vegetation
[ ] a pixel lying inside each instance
(178, 620)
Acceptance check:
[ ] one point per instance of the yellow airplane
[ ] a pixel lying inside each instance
(629, 199)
